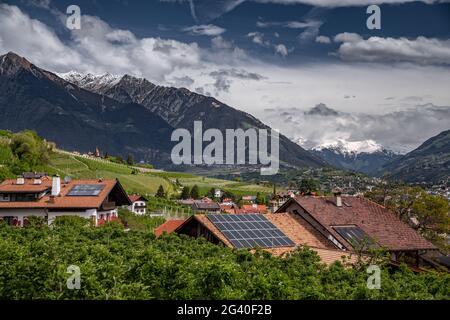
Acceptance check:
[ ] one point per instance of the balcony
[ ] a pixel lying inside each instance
(108, 206)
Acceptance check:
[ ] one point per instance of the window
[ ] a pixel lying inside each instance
(356, 237)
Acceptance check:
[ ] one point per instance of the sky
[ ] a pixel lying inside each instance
(276, 59)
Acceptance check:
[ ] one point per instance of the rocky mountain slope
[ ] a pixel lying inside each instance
(119, 115)
(75, 118)
(181, 107)
(430, 162)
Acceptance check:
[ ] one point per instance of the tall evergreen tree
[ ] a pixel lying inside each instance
(161, 193)
(195, 193)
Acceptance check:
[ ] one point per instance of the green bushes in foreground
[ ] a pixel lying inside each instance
(134, 265)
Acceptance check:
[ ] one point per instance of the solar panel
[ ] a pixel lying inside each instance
(86, 190)
(355, 236)
(250, 231)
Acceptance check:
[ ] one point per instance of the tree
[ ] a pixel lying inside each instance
(427, 213)
(260, 199)
(228, 194)
(29, 151)
(211, 193)
(185, 193)
(130, 159)
(195, 193)
(160, 193)
(308, 186)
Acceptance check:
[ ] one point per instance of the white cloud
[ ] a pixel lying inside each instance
(376, 49)
(343, 3)
(281, 49)
(311, 27)
(400, 131)
(289, 24)
(96, 47)
(323, 39)
(258, 38)
(207, 10)
(205, 30)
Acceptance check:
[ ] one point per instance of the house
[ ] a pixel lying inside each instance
(227, 208)
(355, 223)
(218, 193)
(280, 198)
(250, 199)
(138, 204)
(168, 227)
(228, 201)
(205, 206)
(255, 208)
(48, 197)
(275, 233)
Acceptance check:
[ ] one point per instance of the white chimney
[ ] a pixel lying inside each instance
(338, 200)
(56, 186)
(337, 194)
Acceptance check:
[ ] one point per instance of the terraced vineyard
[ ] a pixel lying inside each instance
(145, 183)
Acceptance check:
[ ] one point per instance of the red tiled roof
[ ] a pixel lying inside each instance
(136, 197)
(168, 227)
(63, 201)
(378, 222)
(11, 185)
(260, 208)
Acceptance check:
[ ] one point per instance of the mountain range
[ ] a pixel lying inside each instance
(124, 114)
(430, 162)
(120, 115)
(361, 156)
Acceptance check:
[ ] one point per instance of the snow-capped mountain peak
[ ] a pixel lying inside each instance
(91, 81)
(351, 147)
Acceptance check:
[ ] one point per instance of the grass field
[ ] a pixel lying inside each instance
(143, 183)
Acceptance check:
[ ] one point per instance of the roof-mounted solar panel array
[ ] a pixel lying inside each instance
(86, 190)
(355, 236)
(250, 231)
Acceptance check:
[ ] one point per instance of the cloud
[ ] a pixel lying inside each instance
(223, 78)
(422, 50)
(401, 131)
(185, 82)
(258, 38)
(208, 10)
(205, 30)
(226, 51)
(289, 24)
(323, 39)
(311, 27)
(281, 49)
(237, 73)
(96, 47)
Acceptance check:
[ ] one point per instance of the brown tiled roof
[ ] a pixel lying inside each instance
(201, 205)
(260, 208)
(63, 201)
(136, 197)
(296, 229)
(378, 222)
(168, 227)
(11, 185)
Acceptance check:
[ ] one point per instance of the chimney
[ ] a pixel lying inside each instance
(337, 194)
(56, 186)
